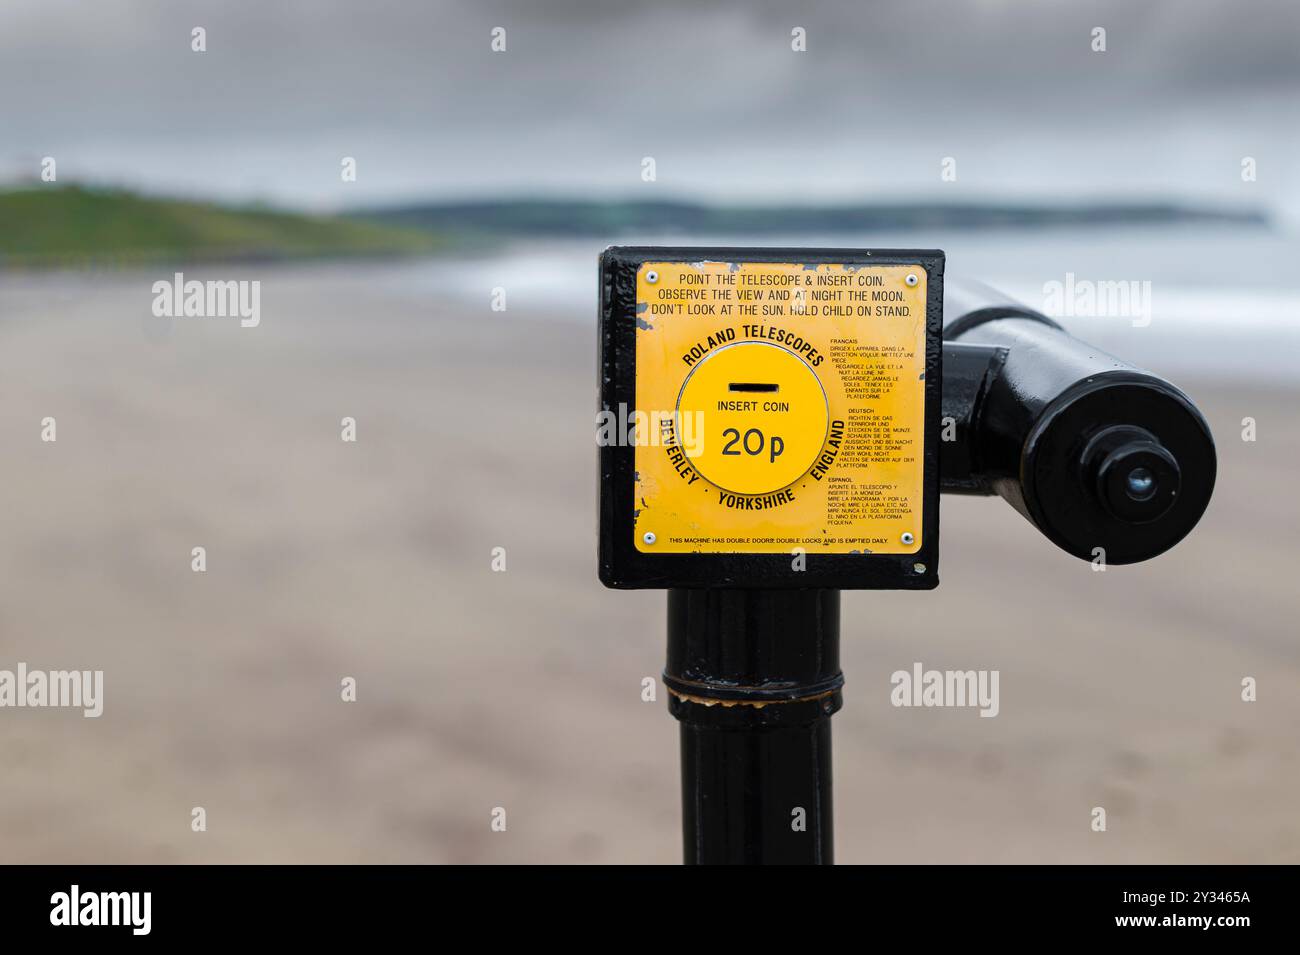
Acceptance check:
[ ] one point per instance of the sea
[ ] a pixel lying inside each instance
(1209, 301)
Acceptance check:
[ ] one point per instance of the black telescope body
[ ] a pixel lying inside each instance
(1107, 460)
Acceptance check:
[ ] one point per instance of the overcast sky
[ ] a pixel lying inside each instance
(712, 90)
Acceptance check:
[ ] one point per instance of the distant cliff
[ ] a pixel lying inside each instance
(535, 217)
(71, 226)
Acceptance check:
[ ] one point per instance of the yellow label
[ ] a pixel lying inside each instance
(779, 406)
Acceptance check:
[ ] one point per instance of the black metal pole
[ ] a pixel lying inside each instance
(754, 677)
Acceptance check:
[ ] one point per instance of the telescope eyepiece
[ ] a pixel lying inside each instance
(1121, 464)
(1141, 484)
(1135, 477)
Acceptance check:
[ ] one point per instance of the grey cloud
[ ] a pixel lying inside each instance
(710, 88)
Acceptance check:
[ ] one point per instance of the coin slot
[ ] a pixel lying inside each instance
(753, 386)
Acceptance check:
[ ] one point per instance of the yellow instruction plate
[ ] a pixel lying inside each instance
(779, 406)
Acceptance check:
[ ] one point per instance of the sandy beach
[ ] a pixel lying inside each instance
(478, 689)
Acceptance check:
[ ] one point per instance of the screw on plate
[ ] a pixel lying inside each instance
(649, 537)
(918, 568)
(652, 276)
(907, 537)
(911, 278)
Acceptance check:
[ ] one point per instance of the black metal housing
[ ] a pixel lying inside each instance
(1107, 460)
(621, 565)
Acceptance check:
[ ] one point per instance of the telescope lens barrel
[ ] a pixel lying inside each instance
(1107, 460)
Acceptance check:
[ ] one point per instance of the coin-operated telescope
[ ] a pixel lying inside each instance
(772, 430)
